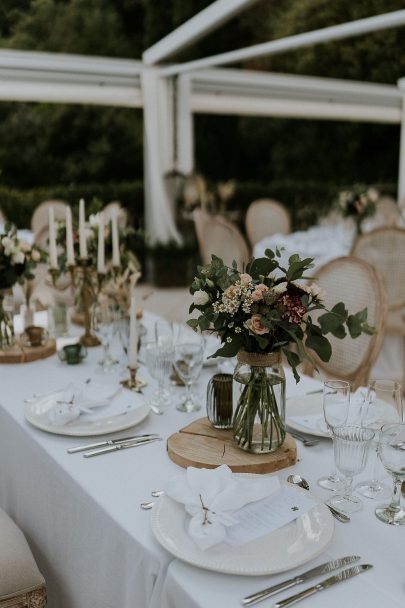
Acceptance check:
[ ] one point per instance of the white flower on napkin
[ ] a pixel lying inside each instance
(212, 496)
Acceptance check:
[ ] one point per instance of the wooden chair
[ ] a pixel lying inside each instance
(218, 236)
(122, 214)
(21, 583)
(384, 249)
(358, 285)
(265, 217)
(40, 220)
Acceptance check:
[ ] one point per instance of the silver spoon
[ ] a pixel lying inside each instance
(156, 410)
(147, 505)
(297, 480)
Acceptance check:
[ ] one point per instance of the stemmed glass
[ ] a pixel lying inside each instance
(383, 405)
(336, 401)
(351, 444)
(104, 327)
(391, 451)
(159, 358)
(188, 361)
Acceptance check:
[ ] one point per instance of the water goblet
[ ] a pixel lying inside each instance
(351, 445)
(383, 405)
(336, 401)
(391, 451)
(103, 326)
(159, 360)
(188, 361)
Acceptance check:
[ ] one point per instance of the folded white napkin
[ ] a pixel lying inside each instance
(211, 496)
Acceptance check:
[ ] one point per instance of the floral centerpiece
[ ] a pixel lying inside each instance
(259, 314)
(18, 260)
(358, 205)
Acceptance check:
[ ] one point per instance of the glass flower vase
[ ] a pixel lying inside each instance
(6, 320)
(259, 420)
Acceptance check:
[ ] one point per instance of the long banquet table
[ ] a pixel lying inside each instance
(93, 543)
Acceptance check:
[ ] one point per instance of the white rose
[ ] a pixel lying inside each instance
(18, 257)
(200, 298)
(317, 292)
(280, 288)
(8, 245)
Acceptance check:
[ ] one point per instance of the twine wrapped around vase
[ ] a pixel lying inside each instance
(259, 359)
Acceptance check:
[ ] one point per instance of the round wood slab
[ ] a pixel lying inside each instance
(200, 445)
(24, 354)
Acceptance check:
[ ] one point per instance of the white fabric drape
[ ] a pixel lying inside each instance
(158, 130)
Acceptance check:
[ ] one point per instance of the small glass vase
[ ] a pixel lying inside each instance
(6, 320)
(220, 401)
(259, 420)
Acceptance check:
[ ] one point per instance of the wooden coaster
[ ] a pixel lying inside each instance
(25, 354)
(200, 445)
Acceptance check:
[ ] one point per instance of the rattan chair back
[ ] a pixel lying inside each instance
(357, 283)
(265, 217)
(216, 235)
(40, 221)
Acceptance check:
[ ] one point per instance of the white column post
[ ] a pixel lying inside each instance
(401, 171)
(185, 126)
(158, 156)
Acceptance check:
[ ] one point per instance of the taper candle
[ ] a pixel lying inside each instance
(100, 250)
(53, 256)
(82, 230)
(116, 262)
(133, 333)
(70, 254)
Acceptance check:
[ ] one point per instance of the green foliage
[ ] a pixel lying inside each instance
(267, 308)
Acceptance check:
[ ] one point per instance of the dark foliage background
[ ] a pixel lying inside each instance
(69, 151)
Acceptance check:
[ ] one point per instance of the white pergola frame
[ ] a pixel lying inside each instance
(171, 94)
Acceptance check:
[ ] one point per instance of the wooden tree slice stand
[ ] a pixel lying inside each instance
(201, 445)
(20, 353)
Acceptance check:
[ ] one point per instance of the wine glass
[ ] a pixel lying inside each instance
(351, 444)
(391, 451)
(188, 361)
(336, 401)
(383, 405)
(159, 360)
(103, 325)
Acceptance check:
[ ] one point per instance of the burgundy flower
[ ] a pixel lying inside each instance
(294, 310)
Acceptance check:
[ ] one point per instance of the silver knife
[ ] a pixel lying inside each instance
(121, 446)
(338, 578)
(300, 578)
(106, 442)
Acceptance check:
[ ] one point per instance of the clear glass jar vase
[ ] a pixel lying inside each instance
(259, 420)
(6, 320)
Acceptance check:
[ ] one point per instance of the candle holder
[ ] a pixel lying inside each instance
(88, 294)
(133, 383)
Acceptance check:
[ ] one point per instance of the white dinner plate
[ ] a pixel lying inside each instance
(81, 428)
(305, 414)
(288, 547)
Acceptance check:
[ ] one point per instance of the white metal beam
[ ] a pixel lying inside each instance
(401, 169)
(195, 28)
(185, 126)
(327, 34)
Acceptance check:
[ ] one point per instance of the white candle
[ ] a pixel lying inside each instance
(115, 240)
(100, 250)
(82, 230)
(70, 254)
(53, 256)
(133, 333)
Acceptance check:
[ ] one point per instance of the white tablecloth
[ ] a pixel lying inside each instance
(325, 243)
(94, 544)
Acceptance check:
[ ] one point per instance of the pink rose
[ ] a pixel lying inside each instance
(255, 325)
(35, 255)
(24, 246)
(257, 295)
(245, 278)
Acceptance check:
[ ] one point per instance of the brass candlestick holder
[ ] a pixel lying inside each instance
(133, 383)
(83, 276)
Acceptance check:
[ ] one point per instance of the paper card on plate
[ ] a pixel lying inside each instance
(312, 422)
(262, 517)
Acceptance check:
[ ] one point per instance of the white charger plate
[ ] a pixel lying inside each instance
(306, 405)
(288, 547)
(83, 428)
